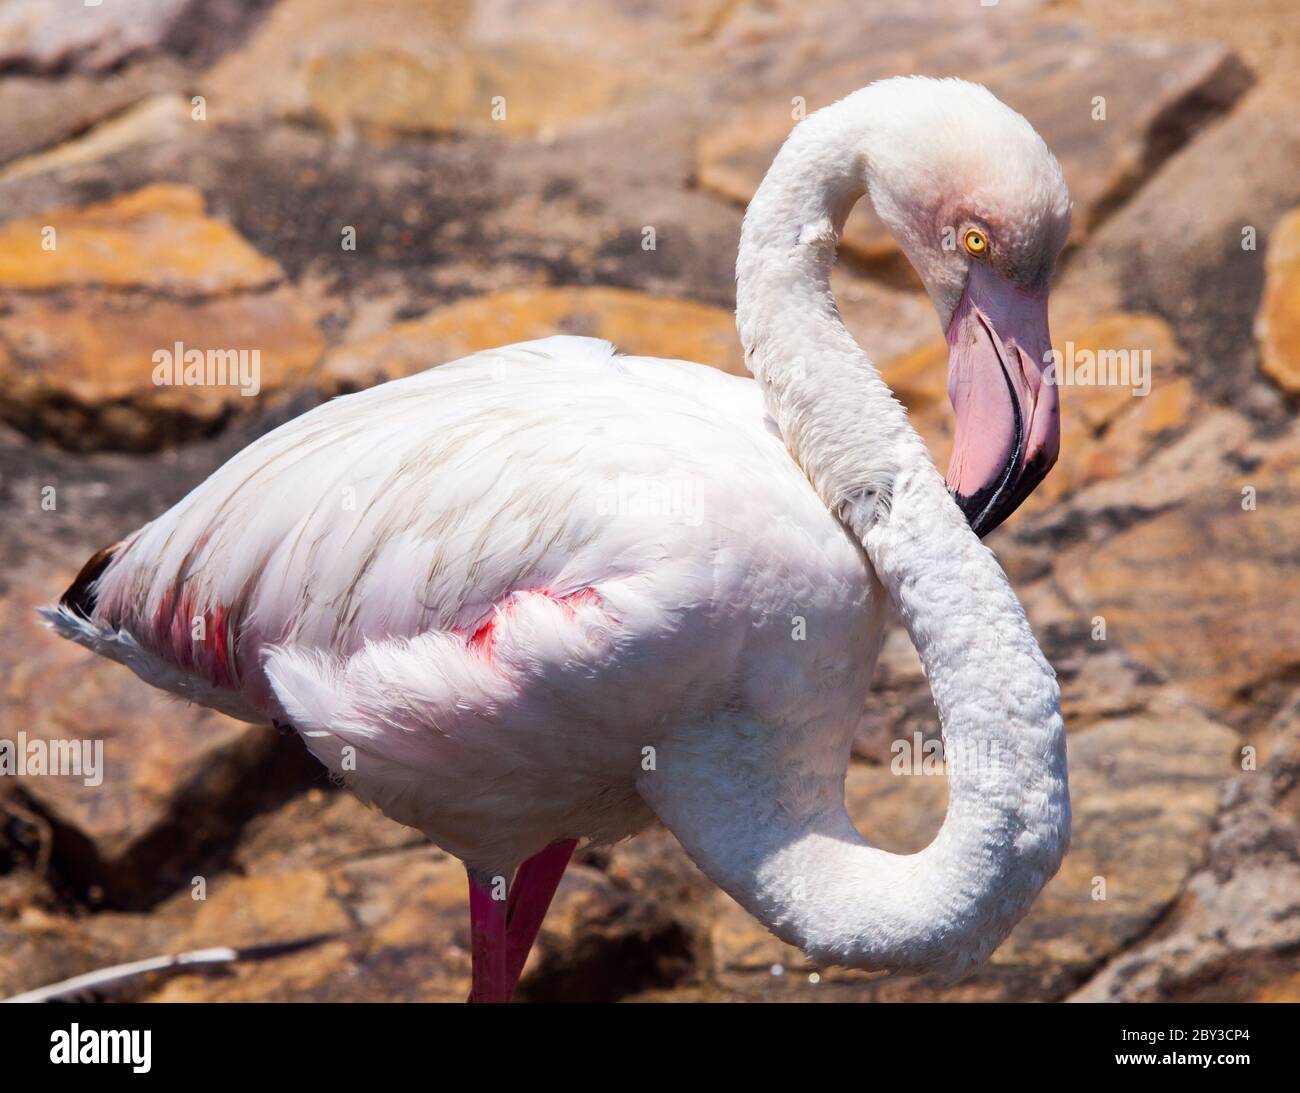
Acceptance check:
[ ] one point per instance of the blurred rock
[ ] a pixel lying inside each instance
(1155, 96)
(400, 928)
(371, 929)
(1174, 473)
(635, 323)
(899, 705)
(606, 199)
(44, 36)
(178, 780)
(173, 781)
(38, 948)
(1277, 327)
(1235, 933)
(78, 354)
(1109, 424)
(1123, 775)
(413, 68)
(341, 828)
(1100, 682)
(1193, 592)
(80, 365)
(383, 915)
(158, 239)
(432, 222)
(393, 925)
(37, 114)
(601, 941)
(1191, 246)
(155, 119)
(265, 909)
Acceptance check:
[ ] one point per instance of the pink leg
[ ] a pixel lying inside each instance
(487, 931)
(530, 896)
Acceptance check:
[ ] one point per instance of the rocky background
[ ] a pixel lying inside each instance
(201, 164)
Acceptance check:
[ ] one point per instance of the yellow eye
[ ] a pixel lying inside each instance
(975, 242)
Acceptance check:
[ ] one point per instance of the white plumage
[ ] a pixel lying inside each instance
(372, 538)
(549, 592)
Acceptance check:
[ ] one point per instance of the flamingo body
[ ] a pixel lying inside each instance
(483, 592)
(549, 592)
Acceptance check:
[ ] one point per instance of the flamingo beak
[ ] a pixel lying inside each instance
(1008, 411)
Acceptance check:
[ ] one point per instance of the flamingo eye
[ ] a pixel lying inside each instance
(975, 242)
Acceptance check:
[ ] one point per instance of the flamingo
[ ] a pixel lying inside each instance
(550, 592)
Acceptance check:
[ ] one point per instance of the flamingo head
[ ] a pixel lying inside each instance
(979, 204)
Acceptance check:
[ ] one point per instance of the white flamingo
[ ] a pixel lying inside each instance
(548, 592)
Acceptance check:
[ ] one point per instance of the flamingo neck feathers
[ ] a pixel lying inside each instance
(1007, 825)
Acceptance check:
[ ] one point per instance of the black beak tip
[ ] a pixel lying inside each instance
(977, 510)
(986, 509)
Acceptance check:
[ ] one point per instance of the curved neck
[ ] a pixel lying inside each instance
(1007, 825)
(840, 421)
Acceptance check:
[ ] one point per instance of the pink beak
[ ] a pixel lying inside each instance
(1008, 412)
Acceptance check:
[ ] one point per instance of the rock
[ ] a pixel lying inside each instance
(40, 948)
(1106, 427)
(410, 68)
(1191, 244)
(40, 36)
(177, 780)
(899, 704)
(288, 906)
(81, 366)
(373, 929)
(1234, 934)
(170, 782)
(38, 114)
(390, 926)
(1142, 806)
(433, 222)
(156, 119)
(1197, 592)
(1155, 96)
(382, 921)
(415, 909)
(637, 323)
(158, 239)
(886, 321)
(341, 829)
(396, 925)
(1277, 327)
(512, 90)
(80, 356)
(601, 941)
(635, 917)
(634, 322)
(258, 80)
(1172, 474)
(62, 507)
(1142, 817)
(265, 909)
(1100, 683)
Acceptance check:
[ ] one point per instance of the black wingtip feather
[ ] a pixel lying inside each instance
(81, 594)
